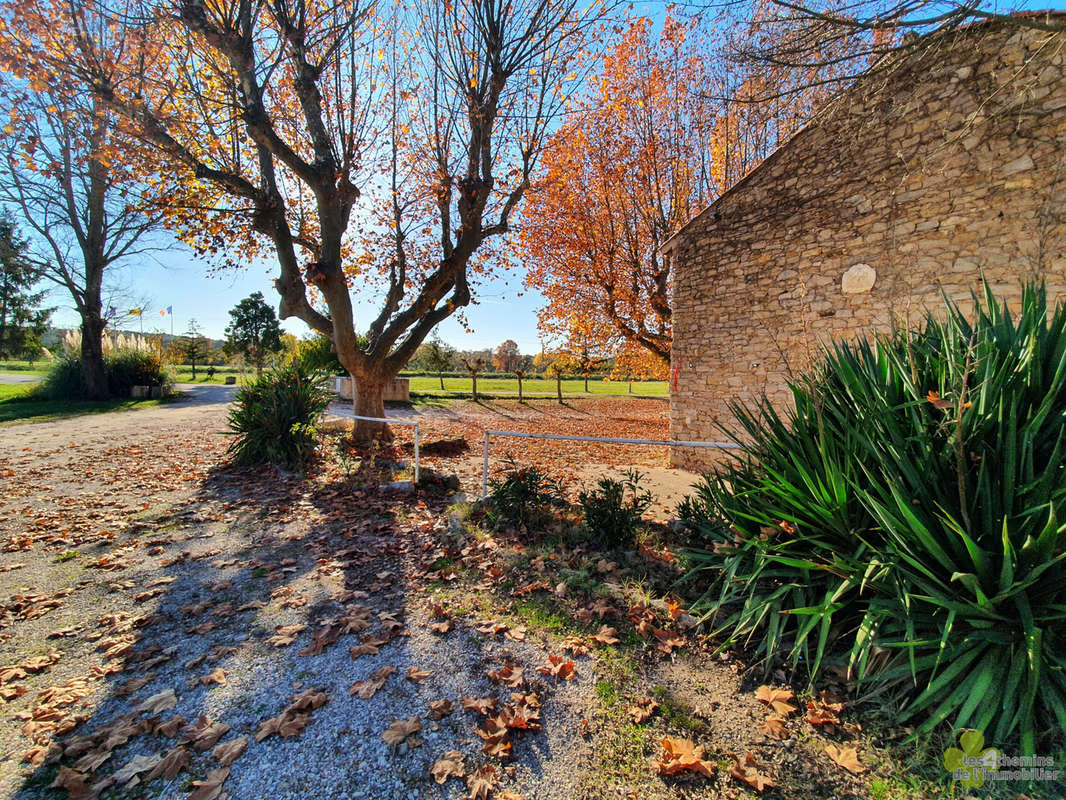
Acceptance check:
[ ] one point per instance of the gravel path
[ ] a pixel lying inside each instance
(136, 568)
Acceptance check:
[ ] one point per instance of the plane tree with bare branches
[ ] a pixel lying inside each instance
(273, 120)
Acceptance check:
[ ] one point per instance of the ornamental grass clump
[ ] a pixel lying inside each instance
(906, 516)
(274, 419)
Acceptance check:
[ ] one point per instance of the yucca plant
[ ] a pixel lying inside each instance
(906, 513)
(273, 419)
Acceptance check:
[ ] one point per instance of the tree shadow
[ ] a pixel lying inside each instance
(252, 557)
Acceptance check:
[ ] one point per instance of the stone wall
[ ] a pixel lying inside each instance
(923, 178)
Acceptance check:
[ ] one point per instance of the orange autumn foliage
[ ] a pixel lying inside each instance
(659, 135)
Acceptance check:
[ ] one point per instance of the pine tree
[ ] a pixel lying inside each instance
(22, 320)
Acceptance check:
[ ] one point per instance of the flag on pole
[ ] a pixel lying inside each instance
(170, 310)
(134, 312)
(162, 312)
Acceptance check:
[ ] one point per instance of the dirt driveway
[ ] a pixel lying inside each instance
(171, 627)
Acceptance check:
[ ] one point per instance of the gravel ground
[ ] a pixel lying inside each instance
(123, 522)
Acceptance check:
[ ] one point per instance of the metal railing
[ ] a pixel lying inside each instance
(560, 437)
(394, 421)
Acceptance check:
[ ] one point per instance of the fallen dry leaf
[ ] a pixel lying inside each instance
(774, 727)
(73, 782)
(134, 767)
(846, 757)
(510, 675)
(481, 705)
(230, 751)
(746, 770)
(777, 699)
(439, 709)
(174, 761)
(368, 688)
(481, 783)
(558, 667)
(606, 635)
(681, 755)
(449, 766)
(416, 675)
(158, 703)
(400, 729)
(214, 676)
(642, 710)
(211, 787)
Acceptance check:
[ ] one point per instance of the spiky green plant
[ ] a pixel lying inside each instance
(273, 419)
(906, 514)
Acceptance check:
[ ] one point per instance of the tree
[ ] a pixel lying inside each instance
(474, 366)
(268, 113)
(194, 347)
(827, 45)
(558, 365)
(507, 358)
(22, 320)
(520, 371)
(653, 141)
(83, 208)
(253, 330)
(437, 357)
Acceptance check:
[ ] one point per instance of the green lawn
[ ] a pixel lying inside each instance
(182, 374)
(533, 387)
(36, 368)
(18, 405)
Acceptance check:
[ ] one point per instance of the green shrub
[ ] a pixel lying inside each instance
(614, 510)
(521, 495)
(128, 368)
(124, 369)
(63, 381)
(317, 355)
(274, 418)
(906, 515)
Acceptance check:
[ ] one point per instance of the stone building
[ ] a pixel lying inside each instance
(946, 166)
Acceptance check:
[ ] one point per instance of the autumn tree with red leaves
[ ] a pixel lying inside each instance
(275, 119)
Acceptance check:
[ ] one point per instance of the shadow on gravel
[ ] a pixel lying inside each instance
(244, 607)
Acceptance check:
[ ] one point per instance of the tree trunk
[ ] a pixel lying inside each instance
(194, 369)
(369, 401)
(93, 374)
(586, 383)
(441, 376)
(559, 387)
(520, 389)
(473, 379)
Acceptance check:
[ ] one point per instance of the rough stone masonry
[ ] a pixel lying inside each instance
(946, 167)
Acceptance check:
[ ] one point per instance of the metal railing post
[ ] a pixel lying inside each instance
(485, 469)
(416, 455)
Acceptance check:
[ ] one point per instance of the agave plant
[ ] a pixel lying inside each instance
(273, 419)
(910, 505)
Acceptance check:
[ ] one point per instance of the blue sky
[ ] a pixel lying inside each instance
(176, 277)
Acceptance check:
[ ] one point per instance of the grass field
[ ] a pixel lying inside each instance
(533, 387)
(17, 404)
(453, 387)
(182, 374)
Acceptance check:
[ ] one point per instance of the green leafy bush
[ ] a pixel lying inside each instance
(124, 370)
(906, 515)
(317, 354)
(274, 419)
(128, 368)
(614, 510)
(521, 495)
